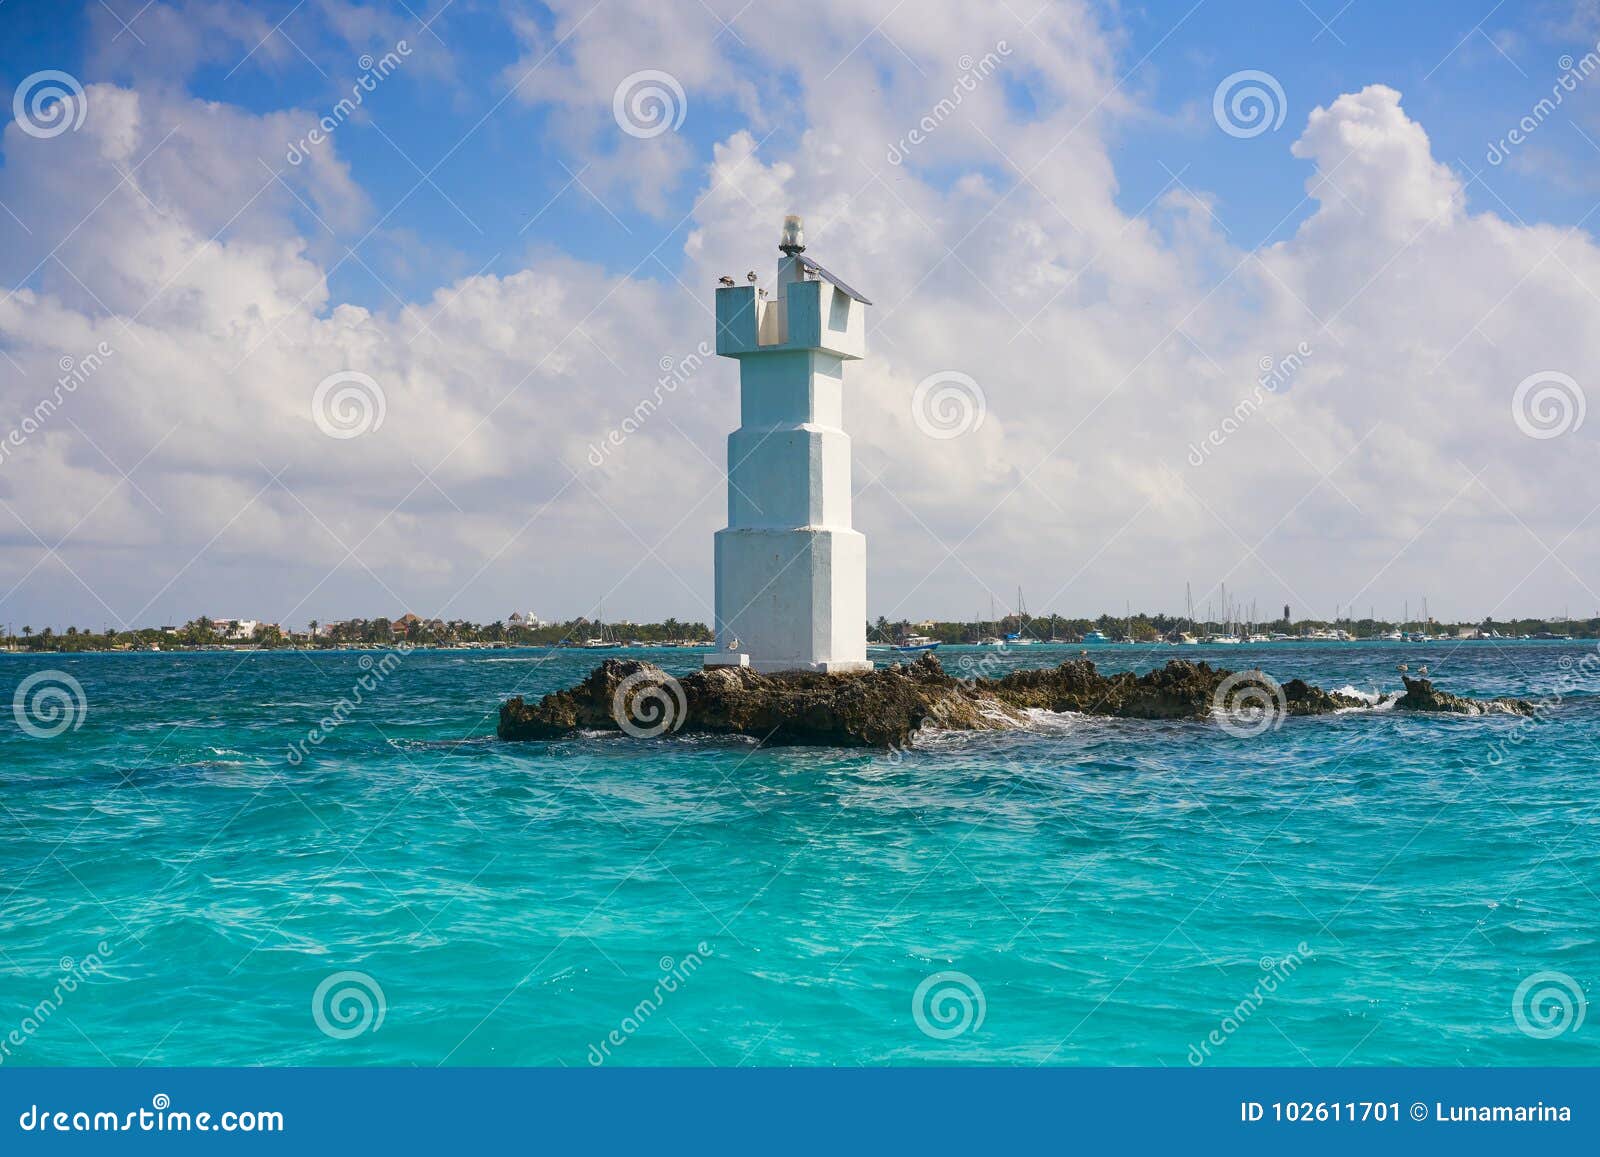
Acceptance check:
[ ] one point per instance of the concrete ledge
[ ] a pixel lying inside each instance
(833, 666)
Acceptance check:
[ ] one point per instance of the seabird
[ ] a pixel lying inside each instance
(725, 280)
(751, 277)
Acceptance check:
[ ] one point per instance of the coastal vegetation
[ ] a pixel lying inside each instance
(206, 633)
(1150, 628)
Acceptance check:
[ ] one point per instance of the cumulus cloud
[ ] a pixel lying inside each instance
(1107, 346)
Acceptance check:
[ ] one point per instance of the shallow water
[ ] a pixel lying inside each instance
(1111, 892)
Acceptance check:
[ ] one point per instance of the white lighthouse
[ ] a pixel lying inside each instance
(791, 571)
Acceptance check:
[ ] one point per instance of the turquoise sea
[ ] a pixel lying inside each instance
(1367, 888)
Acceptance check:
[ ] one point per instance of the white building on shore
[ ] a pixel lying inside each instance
(235, 630)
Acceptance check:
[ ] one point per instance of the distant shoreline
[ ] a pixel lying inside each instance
(1114, 647)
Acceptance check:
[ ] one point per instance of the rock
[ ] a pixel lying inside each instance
(1180, 690)
(886, 707)
(1421, 695)
(882, 708)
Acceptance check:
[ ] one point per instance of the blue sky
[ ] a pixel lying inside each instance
(1468, 72)
(1082, 238)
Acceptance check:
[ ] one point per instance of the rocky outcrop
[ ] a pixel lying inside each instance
(885, 707)
(1180, 690)
(880, 709)
(1421, 695)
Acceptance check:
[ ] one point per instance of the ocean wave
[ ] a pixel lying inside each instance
(1374, 700)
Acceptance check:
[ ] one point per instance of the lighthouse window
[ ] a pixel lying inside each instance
(839, 310)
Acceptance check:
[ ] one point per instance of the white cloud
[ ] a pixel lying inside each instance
(1105, 345)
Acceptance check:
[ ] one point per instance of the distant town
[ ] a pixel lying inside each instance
(525, 629)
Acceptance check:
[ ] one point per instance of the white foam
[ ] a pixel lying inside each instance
(1374, 700)
(1053, 722)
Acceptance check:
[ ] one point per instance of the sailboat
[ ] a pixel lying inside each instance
(604, 641)
(991, 640)
(1187, 638)
(1017, 638)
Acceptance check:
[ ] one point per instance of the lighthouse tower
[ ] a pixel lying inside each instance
(791, 571)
